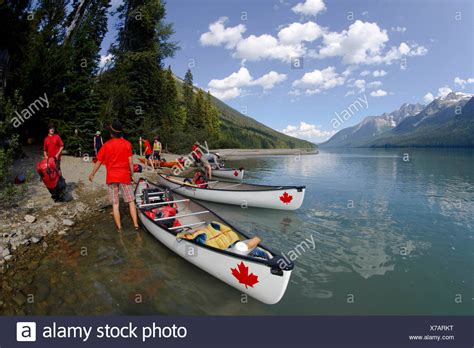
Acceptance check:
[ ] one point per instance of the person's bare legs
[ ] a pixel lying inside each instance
(116, 213)
(209, 171)
(133, 213)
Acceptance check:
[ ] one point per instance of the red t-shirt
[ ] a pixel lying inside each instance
(147, 146)
(52, 144)
(114, 155)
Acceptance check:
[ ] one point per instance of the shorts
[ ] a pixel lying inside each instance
(148, 156)
(127, 192)
(156, 155)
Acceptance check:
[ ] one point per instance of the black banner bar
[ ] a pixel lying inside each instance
(284, 331)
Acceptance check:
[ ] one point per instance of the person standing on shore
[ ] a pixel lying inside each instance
(156, 149)
(116, 155)
(98, 142)
(53, 146)
(148, 152)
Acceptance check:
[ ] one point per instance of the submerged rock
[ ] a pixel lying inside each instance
(36, 239)
(42, 291)
(5, 252)
(19, 299)
(30, 218)
(68, 222)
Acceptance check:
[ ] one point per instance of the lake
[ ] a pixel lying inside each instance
(393, 232)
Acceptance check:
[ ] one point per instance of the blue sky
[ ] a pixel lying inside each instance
(386, 52)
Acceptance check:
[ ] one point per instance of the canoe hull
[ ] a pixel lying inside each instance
(160, 163)
(227, 173)
(280, 199)
(269, 289)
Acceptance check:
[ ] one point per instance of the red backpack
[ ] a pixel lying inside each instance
(48, 172)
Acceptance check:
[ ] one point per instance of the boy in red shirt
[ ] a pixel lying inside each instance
(53, 146)
(116, 155)
(148, 152)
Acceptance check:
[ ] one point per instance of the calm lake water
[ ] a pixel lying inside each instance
(393, 236)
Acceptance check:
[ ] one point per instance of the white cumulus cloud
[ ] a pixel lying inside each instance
(364, 43)
(379, 73)
(268, 81)
(374, 84)
(428, 98)
(444, 91)
(297, 32)
(378, 93)
(463, 82)
(361, 42)
(318, 80)
(288, 44)
(309, 7)
(231, 86)
(218, 34)
(308, 131)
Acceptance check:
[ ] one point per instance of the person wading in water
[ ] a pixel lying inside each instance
(116, 155)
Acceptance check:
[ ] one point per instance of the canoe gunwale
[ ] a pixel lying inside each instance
(273, 188)
(270, 265)
(227, 170)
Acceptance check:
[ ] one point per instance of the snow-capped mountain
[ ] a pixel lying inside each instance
(371, 127)
(446, 121)
(438, 111)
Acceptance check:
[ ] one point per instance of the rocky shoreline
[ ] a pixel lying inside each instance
(25, 225)
(34, 215)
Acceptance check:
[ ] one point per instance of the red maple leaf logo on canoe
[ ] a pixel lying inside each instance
(286, 198)
(243, 276)
(236, 173)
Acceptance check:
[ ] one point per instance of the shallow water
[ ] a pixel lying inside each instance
(391, 237)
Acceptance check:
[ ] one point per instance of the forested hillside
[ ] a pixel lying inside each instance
(240, 131)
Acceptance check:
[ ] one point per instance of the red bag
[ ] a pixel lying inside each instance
(48, 172)
(137, 168)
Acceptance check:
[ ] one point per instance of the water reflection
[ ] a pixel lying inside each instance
(382, 227)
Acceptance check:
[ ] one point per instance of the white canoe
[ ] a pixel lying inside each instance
(242, 194)
(270, 277)
(229, 173)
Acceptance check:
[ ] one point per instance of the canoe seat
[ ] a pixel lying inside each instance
(214, 234)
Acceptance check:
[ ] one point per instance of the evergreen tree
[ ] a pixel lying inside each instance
(189, 99)
(199, 112)
(143, 45)
(45, 65)
(212, 118)
(188, 87)
(82, 104)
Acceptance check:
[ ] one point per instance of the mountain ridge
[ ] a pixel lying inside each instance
(444, 122)
(242, 131)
